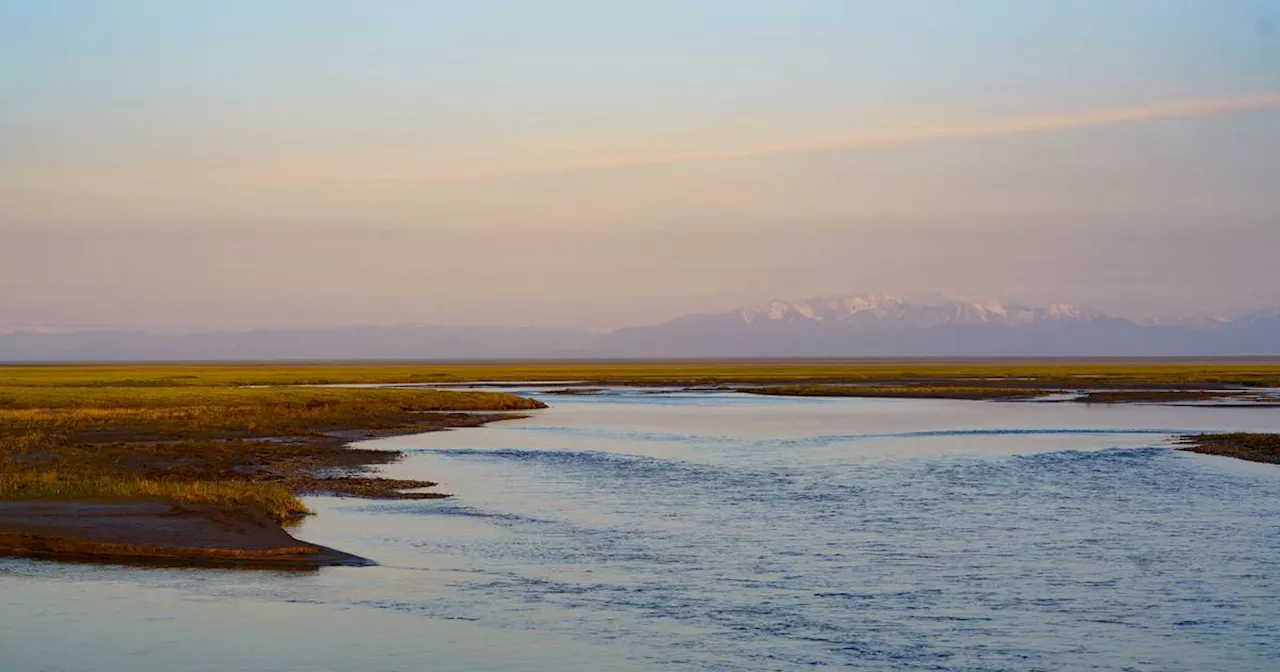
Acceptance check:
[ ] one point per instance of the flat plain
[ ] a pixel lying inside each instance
(209, 438)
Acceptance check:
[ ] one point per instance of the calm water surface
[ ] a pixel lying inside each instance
(716, 532)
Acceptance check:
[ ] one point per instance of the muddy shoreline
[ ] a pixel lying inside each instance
(1253, 447)
(157, 533)
(1027, 392)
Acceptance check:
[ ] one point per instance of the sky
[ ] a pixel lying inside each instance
(234, 164)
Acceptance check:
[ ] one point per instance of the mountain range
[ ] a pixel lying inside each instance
(871, 325)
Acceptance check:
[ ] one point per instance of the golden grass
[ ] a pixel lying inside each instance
(274, 500)
(103, 437)
(17, 395)
(213, 412)
(1098, 373)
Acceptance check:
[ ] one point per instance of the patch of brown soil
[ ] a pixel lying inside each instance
(155, 532)
(1240, 445)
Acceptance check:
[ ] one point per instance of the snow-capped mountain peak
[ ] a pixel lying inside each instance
(821, 309)
(869, 311)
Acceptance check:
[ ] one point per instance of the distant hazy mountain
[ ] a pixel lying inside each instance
(880, 311)
(858, 326)
(879, 325)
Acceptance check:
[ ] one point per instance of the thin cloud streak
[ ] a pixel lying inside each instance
(1204, 107)
(907, 135)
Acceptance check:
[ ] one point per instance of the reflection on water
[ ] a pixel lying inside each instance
(719, 531)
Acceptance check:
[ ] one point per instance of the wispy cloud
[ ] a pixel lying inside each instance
(906, 135)
(356, 174)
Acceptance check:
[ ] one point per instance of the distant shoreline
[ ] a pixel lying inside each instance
(642, 360)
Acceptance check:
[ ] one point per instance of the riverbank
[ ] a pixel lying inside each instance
(127, 470)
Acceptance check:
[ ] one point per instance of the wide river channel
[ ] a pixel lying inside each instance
(720, 531)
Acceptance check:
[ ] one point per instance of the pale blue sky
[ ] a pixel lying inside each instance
(234, 164)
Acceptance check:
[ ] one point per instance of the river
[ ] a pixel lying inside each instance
(719, 531)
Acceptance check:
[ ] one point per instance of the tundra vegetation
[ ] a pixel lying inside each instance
(108, 436)
(1021, 373)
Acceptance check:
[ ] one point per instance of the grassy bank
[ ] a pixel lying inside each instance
(276, 501)
(103, 436)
